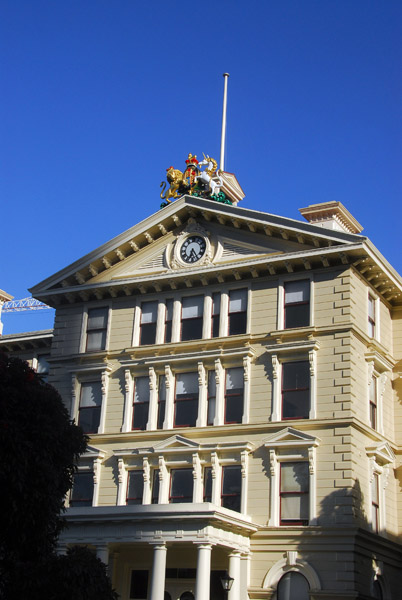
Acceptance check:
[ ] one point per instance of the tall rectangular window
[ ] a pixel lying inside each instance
(192, 312)
(141, 403)
(90, 406)
(83, 489)
(186, 400)
(231, 487)
(373, 402)
(149, 313)
(297, 304)
(237, 312)
(135, 487)
(295, 390)
(216, 314)
(161, 401)
(181, 486)
(155, 487)
(168, 320)
(294, 493)
(211, 397)
(234, 395)
(375, 503)
(96, 329)
(207, 494)
(371, 316)
(139, 585)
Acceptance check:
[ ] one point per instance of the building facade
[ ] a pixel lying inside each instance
(239, 375)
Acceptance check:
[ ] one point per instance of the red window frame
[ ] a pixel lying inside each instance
(298, 389)
(172, 472)
(371, 318)
(375, 503)
(82, 501)
(129, 499)
(232, 495)
(190, 397)
(288, 494)
(373, 403)
(138, 404)
(97, 329)
(287, 305)
(93, 410)
(192, 319)
(229, 394)
(238, 313)
(148, 324)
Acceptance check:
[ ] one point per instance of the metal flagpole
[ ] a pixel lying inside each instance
(225, 93)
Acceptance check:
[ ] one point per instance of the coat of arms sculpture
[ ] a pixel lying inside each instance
(194, 181)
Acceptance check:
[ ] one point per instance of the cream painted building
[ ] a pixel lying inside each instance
(239, 374)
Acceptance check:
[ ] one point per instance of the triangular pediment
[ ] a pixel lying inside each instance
(382, 453)
(289, 437)
(176, 442)
(235, 238)
(92, 452)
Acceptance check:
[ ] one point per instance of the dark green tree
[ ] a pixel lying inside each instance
(39, 448)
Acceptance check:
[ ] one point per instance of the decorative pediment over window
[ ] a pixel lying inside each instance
(382, 453)
(92, 452)
(176, 441)
(289, 437)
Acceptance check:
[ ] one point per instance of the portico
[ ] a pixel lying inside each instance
(172, 548)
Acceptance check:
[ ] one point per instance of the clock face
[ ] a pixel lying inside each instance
(192, 249)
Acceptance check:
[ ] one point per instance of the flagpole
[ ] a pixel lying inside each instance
(223, 135)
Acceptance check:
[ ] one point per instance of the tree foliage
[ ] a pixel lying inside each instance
(39, 448)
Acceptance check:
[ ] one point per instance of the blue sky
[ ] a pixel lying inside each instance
(99, 98)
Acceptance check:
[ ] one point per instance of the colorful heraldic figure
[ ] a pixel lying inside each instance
(194, 181)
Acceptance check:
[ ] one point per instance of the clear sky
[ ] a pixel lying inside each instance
(99, 97)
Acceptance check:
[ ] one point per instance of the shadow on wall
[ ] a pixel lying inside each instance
(343, 506)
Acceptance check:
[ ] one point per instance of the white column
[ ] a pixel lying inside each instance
(235, 572)
(160, 323)
(220, 393)
(169, 406)
(202, 582)
(245, 560)
(224, 320)
(128, 400)
(176, 321)
(207, 321)
(158, 573)
(102, 552)
(153, 400)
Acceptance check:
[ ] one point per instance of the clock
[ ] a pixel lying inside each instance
(192, 249)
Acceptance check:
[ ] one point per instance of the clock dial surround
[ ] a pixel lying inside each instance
(193, 249)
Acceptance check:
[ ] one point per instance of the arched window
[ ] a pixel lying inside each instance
(293, 586)
(187, 596)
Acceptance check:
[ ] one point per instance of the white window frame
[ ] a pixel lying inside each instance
(84, 324)
(380, 461)
(281, 300)
(87, 375)
(290, 353)
(304, 450)
(129, 383)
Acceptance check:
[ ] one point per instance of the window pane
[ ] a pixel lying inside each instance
(148, 334)
(169, 310)
(89, 419)
(91, 394)
(139, 585)
(181, 486)
(83, 489)
(149, 311)
(295, 507)
(297, 291)
(238, 301)
(371, 308)
(216, 303)
(294, 477)
(207, 484)
(141, 391)
(161, 401)
(96, 340)
(192, 307)
(135, 487)
(293, 586)
(296, 405)
(187, 383)
(297, 315)
(97, 318)
(296, 375)
(235, 378)
(373, 390)
(186, 412)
